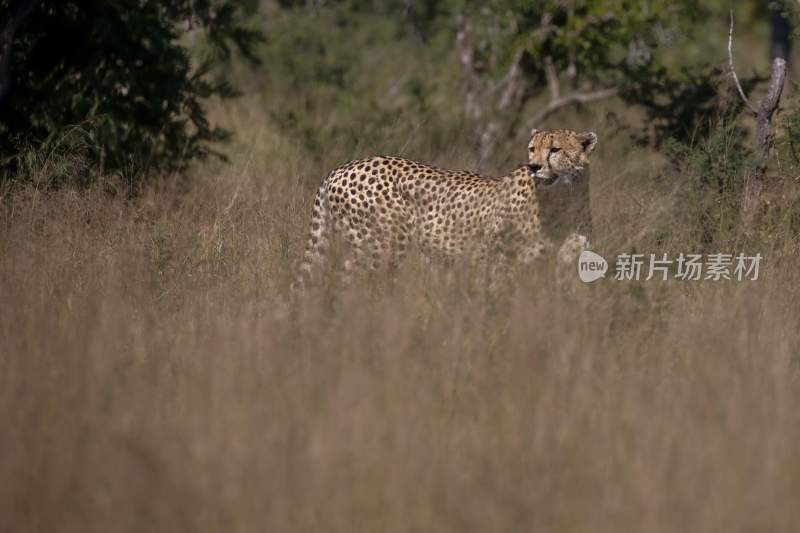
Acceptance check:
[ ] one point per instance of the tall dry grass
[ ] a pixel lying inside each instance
(153, 379)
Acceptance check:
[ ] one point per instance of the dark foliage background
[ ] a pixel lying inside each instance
(122, 73)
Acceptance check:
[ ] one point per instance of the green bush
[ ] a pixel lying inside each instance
(124, 73)
(345, 82)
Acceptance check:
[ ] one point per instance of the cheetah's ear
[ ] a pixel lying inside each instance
(534, 131)
(588, 140)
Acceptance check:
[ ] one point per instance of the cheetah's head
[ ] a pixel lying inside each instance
(559, 156)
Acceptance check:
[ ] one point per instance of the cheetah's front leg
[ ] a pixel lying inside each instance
(567, 257)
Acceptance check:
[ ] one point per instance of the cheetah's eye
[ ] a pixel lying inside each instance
(554, 150)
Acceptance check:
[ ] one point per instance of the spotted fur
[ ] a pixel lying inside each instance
(383, 205)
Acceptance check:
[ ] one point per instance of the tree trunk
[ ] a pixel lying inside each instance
(755, 180)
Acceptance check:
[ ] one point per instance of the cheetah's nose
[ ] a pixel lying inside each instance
(534, 168)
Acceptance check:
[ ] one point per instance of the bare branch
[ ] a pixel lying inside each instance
(733, 70)
(513, 84)
(552, 78)
(571, 99)
(466, 56)
(546, 27)
(512, 89)
(572, 69)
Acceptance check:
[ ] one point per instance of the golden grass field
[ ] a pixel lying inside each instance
(153, 377)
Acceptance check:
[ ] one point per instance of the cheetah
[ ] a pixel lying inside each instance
(383, 205)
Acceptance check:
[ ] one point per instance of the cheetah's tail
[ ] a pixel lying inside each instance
(318, 240)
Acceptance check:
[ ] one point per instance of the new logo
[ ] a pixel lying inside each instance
(591, 266)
